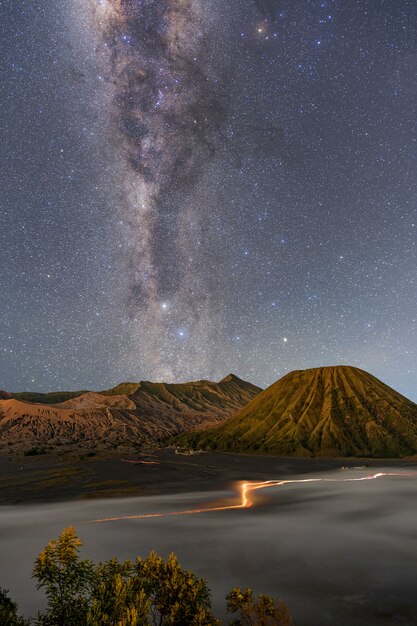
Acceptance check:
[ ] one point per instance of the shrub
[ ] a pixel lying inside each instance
(147, 592)
(66, 579)
(34, 452)
(8, 611)
(263, 612)
(150, 591)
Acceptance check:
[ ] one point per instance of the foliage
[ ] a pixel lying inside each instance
(263, 612)
(66, 579)
(147, 592)
(8, 611)
(34, 451)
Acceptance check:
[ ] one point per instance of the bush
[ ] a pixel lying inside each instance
(265, 612)
(8, 611)
(147, 592)
(66, 579)
(34, 452)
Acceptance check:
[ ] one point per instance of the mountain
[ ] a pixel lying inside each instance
(46, 398)
(327, 411)
(5, 395)
(129, 416)
(94, 400)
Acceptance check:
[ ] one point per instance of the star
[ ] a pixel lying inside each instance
(182, 184)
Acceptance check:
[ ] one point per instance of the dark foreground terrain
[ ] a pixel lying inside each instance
(46, 478)
(340, 553)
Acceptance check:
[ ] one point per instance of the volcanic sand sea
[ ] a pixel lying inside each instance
(337, 552)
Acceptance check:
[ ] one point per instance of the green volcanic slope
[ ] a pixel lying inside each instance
(327, 411)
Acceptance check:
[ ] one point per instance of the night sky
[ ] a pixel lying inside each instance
(195, 187)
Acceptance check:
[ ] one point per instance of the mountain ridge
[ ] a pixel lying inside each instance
(329, 411)
(111, 420)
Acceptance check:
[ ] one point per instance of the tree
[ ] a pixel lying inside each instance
(150, 592)
(115, 600)
(147, 592)
(66, 579)
(265, 612)
(8, 611)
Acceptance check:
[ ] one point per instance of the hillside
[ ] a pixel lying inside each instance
(107, 420)
(328, 411)
(93, 400)
(46, 398)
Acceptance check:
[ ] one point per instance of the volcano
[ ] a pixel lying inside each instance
(327, 411)
(131, 415)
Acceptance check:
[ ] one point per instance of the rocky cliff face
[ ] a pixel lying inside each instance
(142, 416)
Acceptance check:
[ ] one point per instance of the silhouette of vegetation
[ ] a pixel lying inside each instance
(34, 451)
(146, 592)
(66, 580)
(263, 612)
(8, 611)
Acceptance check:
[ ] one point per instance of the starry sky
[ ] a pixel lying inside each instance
(197, 187)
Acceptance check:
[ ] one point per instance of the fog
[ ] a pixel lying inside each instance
(337, 553)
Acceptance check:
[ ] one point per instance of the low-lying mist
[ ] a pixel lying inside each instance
(336, 553)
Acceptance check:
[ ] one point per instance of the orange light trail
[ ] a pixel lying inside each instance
(244, 501)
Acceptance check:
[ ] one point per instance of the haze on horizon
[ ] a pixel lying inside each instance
(335, 552)
(187, 193)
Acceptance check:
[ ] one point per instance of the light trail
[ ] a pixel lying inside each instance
(244, 501)
(141, 462)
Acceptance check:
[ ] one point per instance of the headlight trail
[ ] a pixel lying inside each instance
(244, 500)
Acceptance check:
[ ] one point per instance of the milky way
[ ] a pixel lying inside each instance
(169, 109)
(194, 188)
